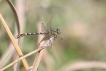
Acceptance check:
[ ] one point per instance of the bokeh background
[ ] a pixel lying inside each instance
(83, 29)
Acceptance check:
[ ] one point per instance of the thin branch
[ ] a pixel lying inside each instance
(40, 54)
(14, 42)
(20, 4)
(45, 61)
(17, 60)
(37, 60)
(15, 14)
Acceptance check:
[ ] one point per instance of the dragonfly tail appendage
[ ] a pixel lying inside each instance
(19, 36)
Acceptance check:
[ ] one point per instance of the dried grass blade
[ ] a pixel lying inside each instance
(14, 42)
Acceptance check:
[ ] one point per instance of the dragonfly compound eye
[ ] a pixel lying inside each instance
(58, 31)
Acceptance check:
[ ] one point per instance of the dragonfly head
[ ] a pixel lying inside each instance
(58, 31)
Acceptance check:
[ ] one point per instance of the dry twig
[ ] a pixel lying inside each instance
(14, 42)
(17, 60)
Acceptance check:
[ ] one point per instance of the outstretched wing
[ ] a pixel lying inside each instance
(49, 24)
(43, 28)
(48, 40)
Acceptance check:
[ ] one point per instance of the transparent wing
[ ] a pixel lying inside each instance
(49, 24)
(43, 28)
(49, 42)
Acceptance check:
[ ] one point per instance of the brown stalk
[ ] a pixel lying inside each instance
(17, 60)
(14, 42)
(45, 61)
(15, 14)
(39, 54)
(37, 60)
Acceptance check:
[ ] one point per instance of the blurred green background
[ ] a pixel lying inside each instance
(82, 24)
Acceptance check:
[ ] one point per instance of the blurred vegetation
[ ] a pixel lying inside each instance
(82, 24)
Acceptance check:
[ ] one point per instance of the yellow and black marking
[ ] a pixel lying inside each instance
(26, 34)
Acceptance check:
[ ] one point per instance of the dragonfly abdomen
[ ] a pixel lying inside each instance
(26, 34)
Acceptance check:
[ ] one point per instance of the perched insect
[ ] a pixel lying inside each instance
(47, 31)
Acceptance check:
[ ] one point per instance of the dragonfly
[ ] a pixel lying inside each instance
(48, 32)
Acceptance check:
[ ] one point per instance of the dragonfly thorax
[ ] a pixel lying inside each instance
(54, 32)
